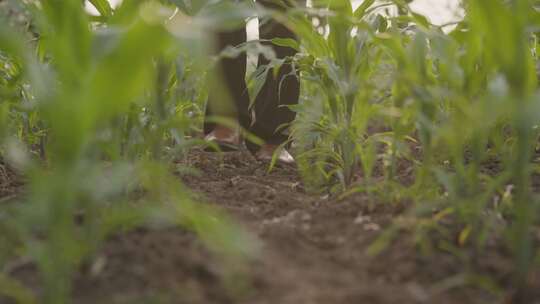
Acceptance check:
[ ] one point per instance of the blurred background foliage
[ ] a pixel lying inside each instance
(95, 109)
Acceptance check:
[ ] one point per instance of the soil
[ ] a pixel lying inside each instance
(313, 250)
(9, 183)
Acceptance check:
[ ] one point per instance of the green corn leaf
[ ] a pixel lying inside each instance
(361, 10)
(256, 82)
(9, 41)
(421, 19)
(341, 6)
(286, 42)
(103, 7)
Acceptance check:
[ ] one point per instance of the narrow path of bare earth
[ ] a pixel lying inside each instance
(313, 250)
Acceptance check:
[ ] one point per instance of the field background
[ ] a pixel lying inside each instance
(417, 147)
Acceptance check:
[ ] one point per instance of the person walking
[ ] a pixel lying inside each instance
(271, 104)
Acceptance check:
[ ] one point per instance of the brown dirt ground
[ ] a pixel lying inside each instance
(9, 184)
(313, 251)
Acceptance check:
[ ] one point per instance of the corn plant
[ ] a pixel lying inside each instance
(104, 102)
(473, 103)
(335, 65)
(379, 88)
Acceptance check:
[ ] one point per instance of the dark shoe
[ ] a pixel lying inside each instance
(266, 153)
(226, 139)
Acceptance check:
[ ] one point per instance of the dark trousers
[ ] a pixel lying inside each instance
(270, 111)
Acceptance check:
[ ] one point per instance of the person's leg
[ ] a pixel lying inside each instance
(278, 91)
(228, 96)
